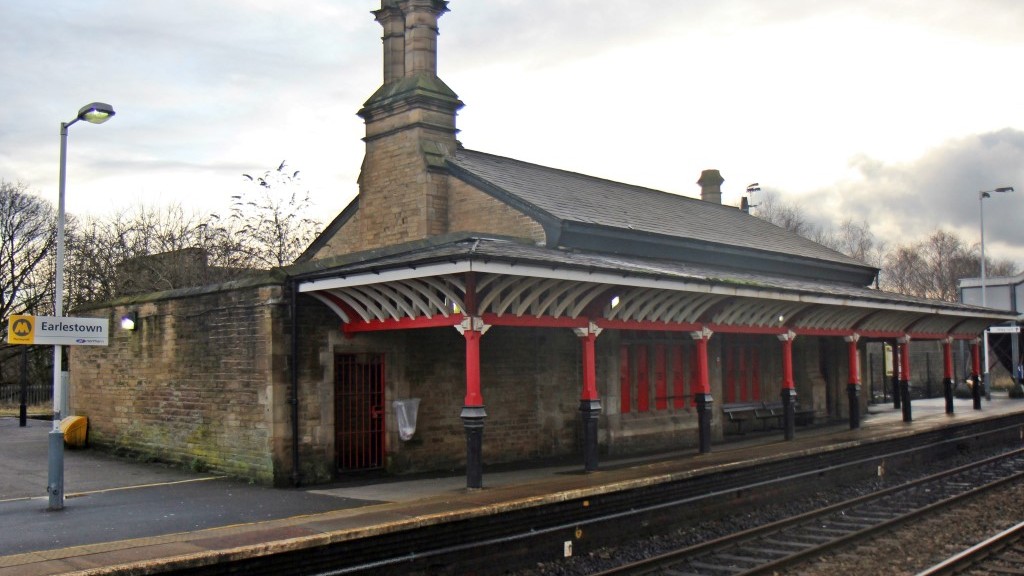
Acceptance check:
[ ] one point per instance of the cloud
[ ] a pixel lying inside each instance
(906, 201)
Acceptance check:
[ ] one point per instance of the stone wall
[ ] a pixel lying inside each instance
(470, 210)
(530, 382)
(198, 383)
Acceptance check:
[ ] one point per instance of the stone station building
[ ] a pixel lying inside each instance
(534, 313)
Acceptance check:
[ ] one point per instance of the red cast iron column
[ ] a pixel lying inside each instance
(702, 390)
(590, 403)
(947, 373)
(896, 375)
(904, 343)
(788, 386)
(976, 373)
(473, 413)
(853, 387)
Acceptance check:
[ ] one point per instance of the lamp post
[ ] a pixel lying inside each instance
(984, 302)
(95, 113)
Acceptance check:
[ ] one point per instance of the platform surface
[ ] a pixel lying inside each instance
(120, 513)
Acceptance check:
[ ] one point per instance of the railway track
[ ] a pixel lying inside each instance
(783, 543)
(532, 535)
(1000, 554)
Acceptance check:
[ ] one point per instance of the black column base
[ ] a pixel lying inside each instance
(853, 394)
(908, 415)
(896, 394)
(976, 392)
(705, 404)
(788, 412)
(947, 392)
(590, 410)
(473, 423)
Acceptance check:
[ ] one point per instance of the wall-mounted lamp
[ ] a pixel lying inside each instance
(129, 321)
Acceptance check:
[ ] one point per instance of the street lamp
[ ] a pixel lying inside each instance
(95, 113)
(984, 302)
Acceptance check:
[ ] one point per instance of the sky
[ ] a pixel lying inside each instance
(892, 113)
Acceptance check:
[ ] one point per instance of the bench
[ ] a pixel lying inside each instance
(740, 412)
(773, 411)
(770, 414)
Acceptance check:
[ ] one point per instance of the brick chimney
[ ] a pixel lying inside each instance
(711, 186)
(410, 129)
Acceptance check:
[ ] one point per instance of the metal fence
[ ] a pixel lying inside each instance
(37, 393)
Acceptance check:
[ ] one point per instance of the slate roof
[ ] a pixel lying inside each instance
(559, 199)
(461, 247)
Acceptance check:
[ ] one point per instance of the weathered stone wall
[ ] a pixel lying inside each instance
(198, 383)
(346, 241)
(530, 381)
(470, 210)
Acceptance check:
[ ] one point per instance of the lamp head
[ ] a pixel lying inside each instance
(130, 321)
(1005, 189)
(96, 113)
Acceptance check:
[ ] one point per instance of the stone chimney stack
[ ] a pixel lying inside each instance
(711, 186)
(410, 36)
(421, 34)
(392, 20)
(410, 131)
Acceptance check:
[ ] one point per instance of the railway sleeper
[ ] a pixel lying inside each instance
(774, 553)
(827, 529)
(787, 545)
(853, 525)
(743, 561)
(810, 538)
(873, 515)
(718, 568)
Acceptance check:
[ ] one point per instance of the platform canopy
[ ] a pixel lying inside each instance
(507, 282)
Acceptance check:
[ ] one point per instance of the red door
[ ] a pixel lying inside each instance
(359, 411)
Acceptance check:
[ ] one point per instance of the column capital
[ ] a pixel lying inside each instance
(852, 338)
(472, 324)
(705, 333)
(905, 339)
(787, 336)
(591, 328)
(947, 340)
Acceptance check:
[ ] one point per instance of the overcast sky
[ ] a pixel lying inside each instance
(894, 112)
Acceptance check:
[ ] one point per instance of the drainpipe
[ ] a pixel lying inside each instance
(293, 368)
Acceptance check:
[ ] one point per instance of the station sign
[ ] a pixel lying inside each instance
(1004, 330)
(63, 331)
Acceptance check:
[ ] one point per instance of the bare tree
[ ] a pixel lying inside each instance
(932, 267)
(270, 224)
(852, 238)
(145, 249)
(28, 234)
(27, 238)
(788, 215)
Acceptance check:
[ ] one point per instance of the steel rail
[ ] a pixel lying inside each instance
(526, 533)
(863, 525)
(980, 555)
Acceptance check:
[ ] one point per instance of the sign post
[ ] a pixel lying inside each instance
(58, 331)
(63, 331)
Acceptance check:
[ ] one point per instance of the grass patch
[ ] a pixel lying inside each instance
(14, 410)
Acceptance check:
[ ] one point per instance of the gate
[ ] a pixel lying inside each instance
(359, 411)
